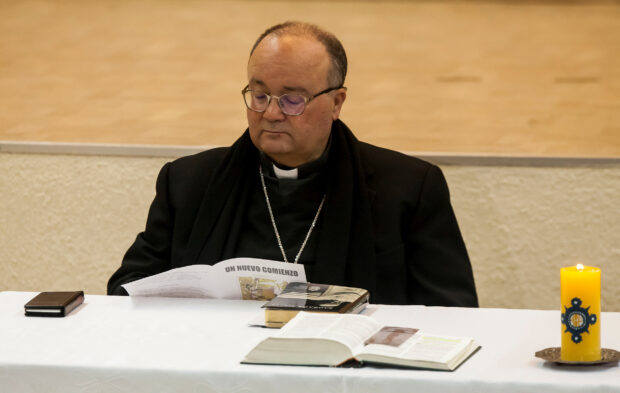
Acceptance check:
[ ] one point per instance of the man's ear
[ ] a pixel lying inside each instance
(339, 97)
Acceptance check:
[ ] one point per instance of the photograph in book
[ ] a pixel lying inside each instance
(237, 278)
(315, 339)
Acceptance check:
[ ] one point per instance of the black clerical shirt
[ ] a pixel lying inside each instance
(294, 202)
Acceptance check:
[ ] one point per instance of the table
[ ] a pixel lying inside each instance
(121, 344)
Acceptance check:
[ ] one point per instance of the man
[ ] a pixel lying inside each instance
(297, 186)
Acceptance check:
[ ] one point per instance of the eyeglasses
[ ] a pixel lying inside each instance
(292, 104)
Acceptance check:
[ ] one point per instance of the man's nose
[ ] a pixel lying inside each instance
(273, 111)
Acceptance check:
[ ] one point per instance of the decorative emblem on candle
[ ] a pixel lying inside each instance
(577, 320)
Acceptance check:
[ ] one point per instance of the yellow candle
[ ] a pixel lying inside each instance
(581, 313)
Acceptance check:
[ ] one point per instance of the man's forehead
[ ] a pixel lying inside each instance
(294, 87)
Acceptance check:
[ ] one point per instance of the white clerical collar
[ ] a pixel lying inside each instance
(285, 173)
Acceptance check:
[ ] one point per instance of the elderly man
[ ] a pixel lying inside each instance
(298, 186)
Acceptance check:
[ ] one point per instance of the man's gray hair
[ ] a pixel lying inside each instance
(335, 50)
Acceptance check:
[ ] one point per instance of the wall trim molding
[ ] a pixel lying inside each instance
(174, 151)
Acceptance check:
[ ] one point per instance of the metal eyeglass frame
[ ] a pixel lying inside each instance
(270, 96)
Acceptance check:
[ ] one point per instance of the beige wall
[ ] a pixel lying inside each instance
(66, 220)
(522, 224)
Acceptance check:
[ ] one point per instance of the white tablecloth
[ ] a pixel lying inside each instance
(120, 344)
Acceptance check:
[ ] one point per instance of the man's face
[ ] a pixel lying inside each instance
(292, 64)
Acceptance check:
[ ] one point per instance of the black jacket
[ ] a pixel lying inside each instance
(387, 226)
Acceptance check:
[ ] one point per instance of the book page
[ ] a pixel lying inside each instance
(237, 278)
(418, 346)
(349, 329)
(187, 281)
(436, 348)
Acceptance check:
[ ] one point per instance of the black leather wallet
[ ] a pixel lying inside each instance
(53, 304)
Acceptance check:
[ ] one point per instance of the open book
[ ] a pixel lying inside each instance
(236, 278)
(333, 339)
